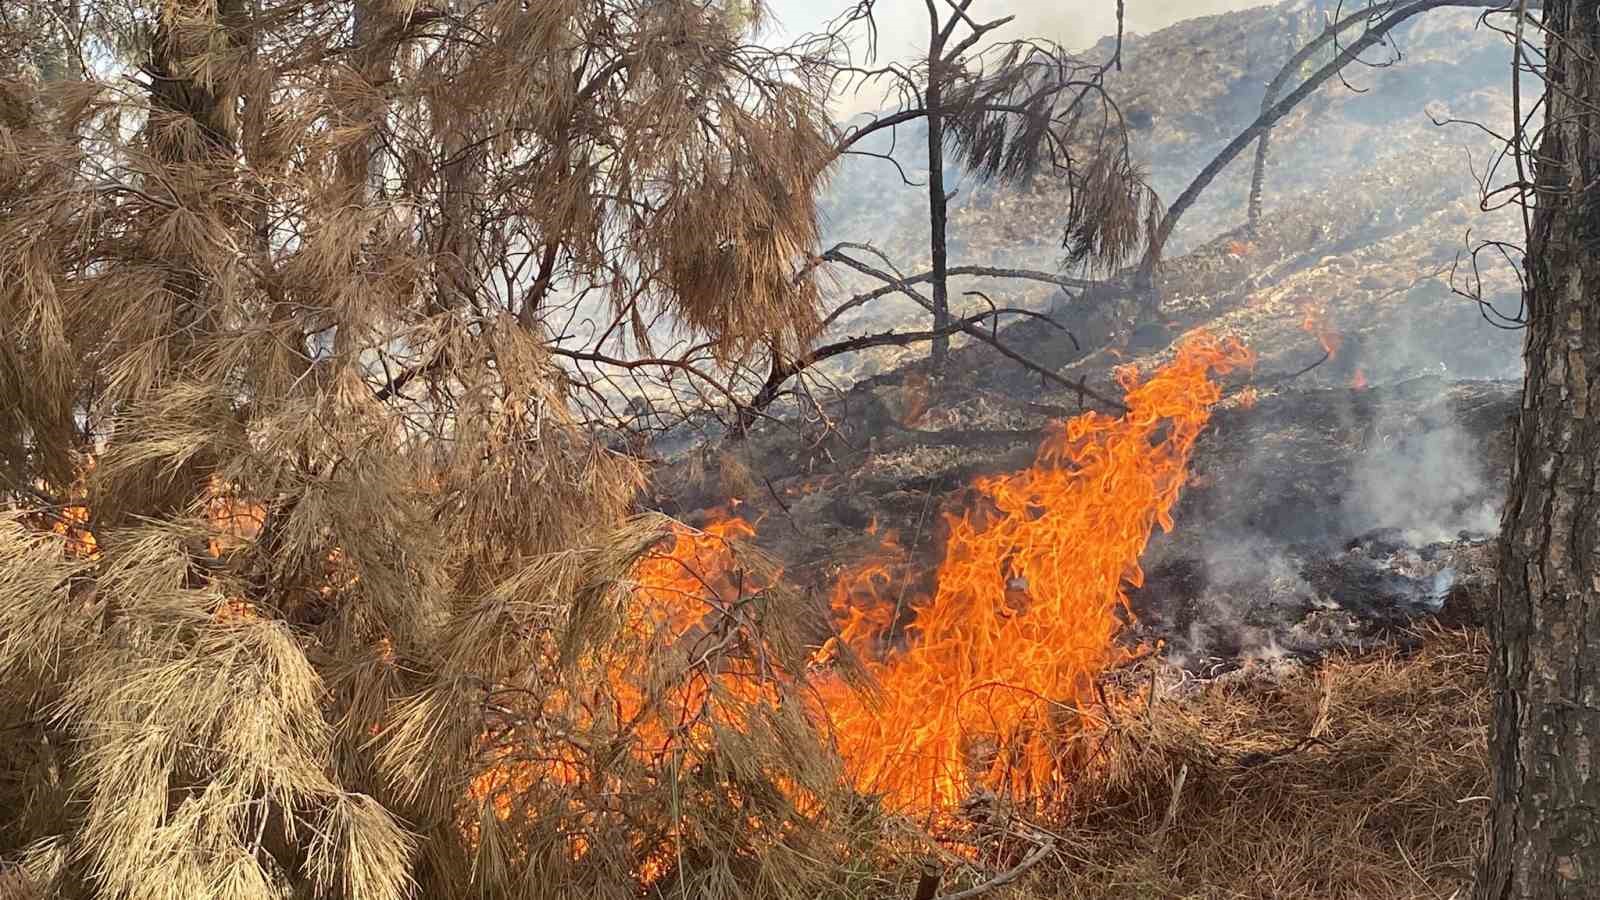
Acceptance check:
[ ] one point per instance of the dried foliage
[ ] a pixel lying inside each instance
(286, 290)
(1029, 109)
(1359, 777)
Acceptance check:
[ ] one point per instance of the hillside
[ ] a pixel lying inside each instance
(1361, 185)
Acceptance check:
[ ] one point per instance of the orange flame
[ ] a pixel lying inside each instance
(683, 593)
(71, 519)
(1026, 610)
(1000, 657)
(1315, 323)
(1358, 381)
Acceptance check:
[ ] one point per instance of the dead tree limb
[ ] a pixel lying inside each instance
(1275, 87)
(864, 298)
(1329, 35)
(783, 370)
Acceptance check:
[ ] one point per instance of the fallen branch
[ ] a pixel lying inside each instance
(1004, 878)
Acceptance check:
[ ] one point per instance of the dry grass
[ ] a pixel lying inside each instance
(1356, 779)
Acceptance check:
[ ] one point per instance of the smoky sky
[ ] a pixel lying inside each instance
(902, 24)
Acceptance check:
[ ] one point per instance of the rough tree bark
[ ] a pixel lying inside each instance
(1544, 838)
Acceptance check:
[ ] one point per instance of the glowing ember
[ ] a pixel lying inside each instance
(72, 522)
(236, 520)
(1358, 381)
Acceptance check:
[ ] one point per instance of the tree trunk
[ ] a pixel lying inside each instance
(937, 205)
(195, 161)
(1544, 839)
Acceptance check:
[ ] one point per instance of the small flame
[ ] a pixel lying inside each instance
(70, 520)
(1358, 381)
(1315, 323)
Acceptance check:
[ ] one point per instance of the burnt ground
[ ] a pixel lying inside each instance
(1284, 541)
(1323, 514)
(1350, 499)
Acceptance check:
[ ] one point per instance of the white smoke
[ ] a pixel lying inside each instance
(902, 25)
(1426, 481)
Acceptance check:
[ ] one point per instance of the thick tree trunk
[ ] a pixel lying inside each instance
(1544, 840)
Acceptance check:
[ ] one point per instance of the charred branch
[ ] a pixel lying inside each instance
(781, 371)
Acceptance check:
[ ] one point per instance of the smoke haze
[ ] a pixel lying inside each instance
(903, 24)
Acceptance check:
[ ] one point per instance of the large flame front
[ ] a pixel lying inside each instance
(1000, 660)
(1026, 610)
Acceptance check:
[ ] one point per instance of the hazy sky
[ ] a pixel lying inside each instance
(1074, 23)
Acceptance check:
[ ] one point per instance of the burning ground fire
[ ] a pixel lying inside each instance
(982, 677)
(1001, 659)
